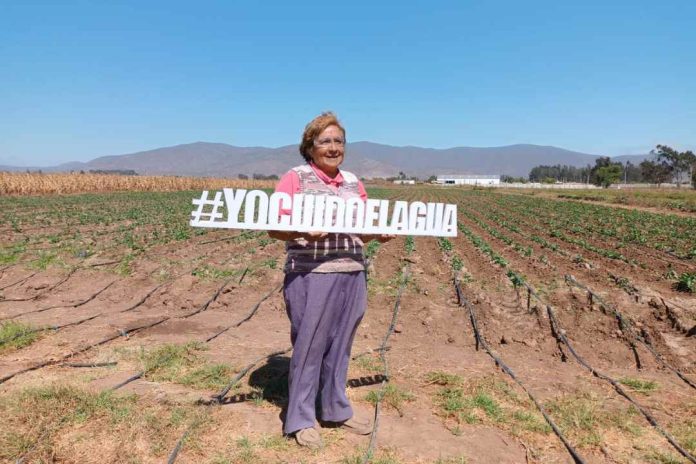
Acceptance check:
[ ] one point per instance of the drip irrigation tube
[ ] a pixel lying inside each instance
(245, 318)
(101, 364)
(405, 272)
(559, 334)
(74, 305)
(120, 333)
(51, 288)
(627, 327)
(219, 399)
(237, 324)
(480, 341)
(23, 279)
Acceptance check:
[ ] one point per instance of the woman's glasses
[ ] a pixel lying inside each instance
(326, 143)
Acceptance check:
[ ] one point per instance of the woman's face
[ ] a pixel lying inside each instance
(328, 150)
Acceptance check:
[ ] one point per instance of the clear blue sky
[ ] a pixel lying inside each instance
(85, 79)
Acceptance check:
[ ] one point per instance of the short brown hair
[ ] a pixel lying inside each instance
(315, 127)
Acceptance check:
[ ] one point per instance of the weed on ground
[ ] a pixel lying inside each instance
(15, 335)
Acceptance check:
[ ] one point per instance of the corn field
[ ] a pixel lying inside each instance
(36, 184)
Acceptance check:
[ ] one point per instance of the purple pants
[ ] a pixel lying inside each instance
(325, 310)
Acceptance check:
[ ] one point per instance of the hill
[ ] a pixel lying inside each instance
(366, 159)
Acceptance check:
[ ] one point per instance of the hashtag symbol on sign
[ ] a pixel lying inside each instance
(202, 202)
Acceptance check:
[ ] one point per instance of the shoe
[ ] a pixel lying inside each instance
(357, 425)
(309, 437)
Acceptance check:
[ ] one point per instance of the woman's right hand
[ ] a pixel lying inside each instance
(314, 236)
(287, 235)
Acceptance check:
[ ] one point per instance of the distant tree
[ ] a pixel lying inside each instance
(432, 179)
(560, 173)
(585, 174)
(655, 172)
(512, 180)
(607, 175)
(243, 176)
(264, 177)
(402, 176)
(632, 173)
(548, 180)
(680, 162)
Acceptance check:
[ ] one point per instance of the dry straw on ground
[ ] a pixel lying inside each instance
(36, 184)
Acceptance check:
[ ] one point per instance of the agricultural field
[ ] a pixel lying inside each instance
(549, 330)
(673, 199)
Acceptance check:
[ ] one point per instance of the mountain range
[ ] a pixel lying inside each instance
(366, 159)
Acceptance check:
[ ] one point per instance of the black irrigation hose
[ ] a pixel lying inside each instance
(219, 398)
(51, 288)
(627, 327)
(237, 324)
(24, 279)
(101, 364)
(480, 341)
(127, 381)
(405, 272)
(50, 362)
(144, 298)
(205, 305)
(52, 327)
(253, 311)
(636, 293)
(559, 334)
(121, 332)
(87, 319)
(74, 305)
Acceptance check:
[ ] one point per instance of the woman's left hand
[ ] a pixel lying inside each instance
(381, 238)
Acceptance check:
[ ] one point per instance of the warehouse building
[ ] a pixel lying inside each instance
(467, 179)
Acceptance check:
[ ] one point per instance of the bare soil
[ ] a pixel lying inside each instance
(434, 335)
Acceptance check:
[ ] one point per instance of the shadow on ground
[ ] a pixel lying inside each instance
(270, 383)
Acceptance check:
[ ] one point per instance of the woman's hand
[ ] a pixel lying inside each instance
(381, 238)
(289, 235)
(314, 236)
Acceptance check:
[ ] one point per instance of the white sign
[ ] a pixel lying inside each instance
(322, 213)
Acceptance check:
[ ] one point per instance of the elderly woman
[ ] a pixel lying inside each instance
(325, 290)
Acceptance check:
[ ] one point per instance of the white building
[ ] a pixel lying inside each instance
(467, 179)
(405, 181)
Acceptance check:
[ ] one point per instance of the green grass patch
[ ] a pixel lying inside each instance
(210, 272)
(382, 457)
(124, 267)
(15, 335)
(443, 378)
(392, 397)
(638, 385)
(38, 413)
(685, 433)
(11, 256)
(368, 363)
(452, 460)
(184, 365)
(44, 260)
(484, 400)
(585, 418)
